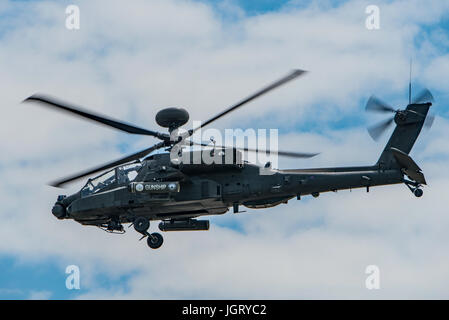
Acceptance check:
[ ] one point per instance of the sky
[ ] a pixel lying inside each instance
(130, 61)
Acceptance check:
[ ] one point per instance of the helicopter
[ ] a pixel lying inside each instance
(145, 186)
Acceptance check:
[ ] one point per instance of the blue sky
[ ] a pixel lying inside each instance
(20, 280)
(124, 67)
(254, 7)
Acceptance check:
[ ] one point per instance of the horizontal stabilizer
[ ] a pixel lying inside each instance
(408, 166)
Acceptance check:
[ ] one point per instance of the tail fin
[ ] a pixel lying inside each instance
(409, 123)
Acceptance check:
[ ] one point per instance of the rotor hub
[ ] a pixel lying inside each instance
(400, 117)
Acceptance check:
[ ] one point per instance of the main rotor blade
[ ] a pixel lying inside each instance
(292, 75)
(374, 104)
(65, 106)
(377, 130)
(108, 165)
(423, 96)
(280, 153)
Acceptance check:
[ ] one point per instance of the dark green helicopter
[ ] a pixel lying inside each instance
(143, 187)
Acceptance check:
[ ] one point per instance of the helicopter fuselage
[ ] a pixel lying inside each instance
(163, 191)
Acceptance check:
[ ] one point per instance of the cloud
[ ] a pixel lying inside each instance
(40, 295)
(128, 62)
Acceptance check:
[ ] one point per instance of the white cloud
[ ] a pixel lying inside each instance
(129, 62)
(40, 295)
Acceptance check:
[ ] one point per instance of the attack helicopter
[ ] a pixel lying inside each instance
(147, 186)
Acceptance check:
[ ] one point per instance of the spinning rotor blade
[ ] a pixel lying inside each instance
(60, 105)
(108, 165)
(280, 153)
(423, 96)
(429, 121)
(374, 104)
(283, 153)
(378, 129)
(292, 75)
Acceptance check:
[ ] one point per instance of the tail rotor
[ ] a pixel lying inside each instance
(376, 105)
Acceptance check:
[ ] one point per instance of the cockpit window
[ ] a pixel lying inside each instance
(96, 184)
(128, 173)
(120, 175)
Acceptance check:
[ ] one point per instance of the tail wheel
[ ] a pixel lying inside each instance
(155, 240)
(418, 192)
(141, 224)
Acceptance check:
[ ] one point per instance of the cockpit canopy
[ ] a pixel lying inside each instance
(108, 180)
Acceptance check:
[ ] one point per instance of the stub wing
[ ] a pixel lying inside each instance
(408, 166)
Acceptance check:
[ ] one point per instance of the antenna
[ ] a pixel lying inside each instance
(410, 84)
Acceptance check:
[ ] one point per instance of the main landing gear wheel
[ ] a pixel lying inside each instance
(155, 240)
(418, 192)
(141, 224)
